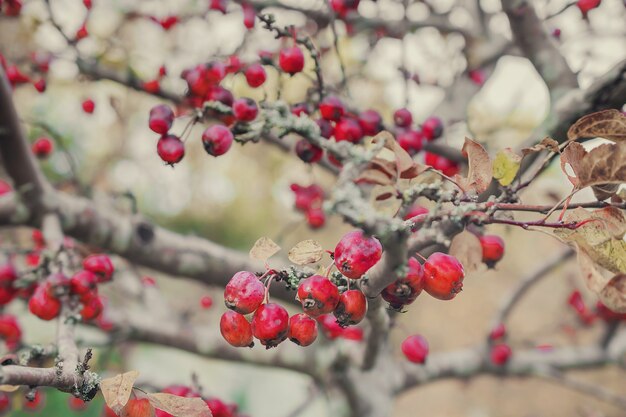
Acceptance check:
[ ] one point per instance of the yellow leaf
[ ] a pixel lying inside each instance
(505, 166)
(116, 390)
(263, 249)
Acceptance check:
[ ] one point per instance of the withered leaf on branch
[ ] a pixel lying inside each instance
(546, 144)
(505, 166)
(480, 170)
(467, 249)
(306, 252)
(611, 291)
(263, 249)
(609, 124)
(180, 406)
(116, 390)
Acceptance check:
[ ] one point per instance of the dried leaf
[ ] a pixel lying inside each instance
(545, 144)
(594, 280)
(480, 168)
(467, 249)
(608, 124)
(9, 388)
(572, 156)
(180, 406)
(505, 166)
(375, 176)
(613, 295)
(306, 252)
(263, 249)
(116, 390)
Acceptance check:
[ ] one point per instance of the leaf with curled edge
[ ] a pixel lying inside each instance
(546, 144)
(467, 249)
(600, 237)
(572, 156)
(406, 167)
(116, 390)
(609, 124)
(180, 406)
(480, 170)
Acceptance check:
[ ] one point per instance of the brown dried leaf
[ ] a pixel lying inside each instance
(9, 388)
(480, 168)
(306, 252)
(467, 249)
(572, 156)
(116, 390)
(594, 280)
(263, 249)
(406, 167)
(608, 124)
(180, 406)
(545, 144)
(613, 295)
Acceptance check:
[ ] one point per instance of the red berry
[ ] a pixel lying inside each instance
(161, 119)
(348, 129)
(493, 249)
(356, 253)
(220, 409)
(198, 84)
(7, 294)
(343, 7)
(244, 293)
(370, 121)
(331, 108)
(88, 4)
(15, 76)
(477, 76)
(255, 75)
(332, 330)
(432, 128)
(318, 295)
(415, 348)
(214, 72)
(500, 354)
(92, 307)
(326, 129)
(152, 86)
(206, 302)
(270, 324)
(299, 109)
(556, 33)
(307, 197)
(83, 282)
(315, 217)
(81, 33)
(351, 308)
(446, 166)
(302, 329)
(245, 109)
(138, 407)
(411, 141)
(217, 140)
(100, 265)
(13, 7)
(308, 152)
(5, 187)
(10, 329)
(40, 85)
(42, 147)
(219, 93)
(170, 149)
(219, 5)
(607, 314)
(88, 106)
(42, 305)
(169, 22)
(236, 330)
(405, 290)
(76, 404)
(249, 15)
(291, 60)
(587, 5)
(415, 211)
(443, 276)
(403, 117)
(497, 332)
(8, 275)
(5, 402)
(37, 402)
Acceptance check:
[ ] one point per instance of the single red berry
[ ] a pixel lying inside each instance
(198, 84)
(302, 329)
(432, 128)
(403, 117)
(170, 149)
(343, 7)
(371, 122)
(168, 22)
(318, 295)
(500, 354)
(219, 93)
(88, 4)
(76, 404)
(81, 33)
(477, 76)
(245, 109)
(291, 60)
(151, 86)
(5, 187)
(299, 109)
(332, 330)
(8, 274)
(88, 106)
(326, 129)
(415, 211)
(220, 409)
(138, 407)
(214, 72)
(493, 249)
(42, 147)
(7, 294)
(92, 306)
(348, 129)
(233, 64)
(255, 75)
(217, 140)
(411, 140)
(100, 265)
(356, 253)
(351, 308)
(83, 282)
(37, 402)
(244, 293)
(315, 217)
(446, 166)
(236, 330)
(556, 33)
(443, 276)
(42, 305)
(331, 108)
(405, 290)
(307, 197)
(206, 302)
(308, 152)
(585, 6)
(161, 119)
(219, 5)
(5, 403)
(10, 329)
(40, 85)
(415, 348)
(13, 7)
(270, 324)
(497, 332)
(249, 15)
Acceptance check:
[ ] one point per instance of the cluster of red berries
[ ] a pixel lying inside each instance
(309, 199)
(588, 315)
(39, 64)
(319, 297)
(33, 404)
(499, 351)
